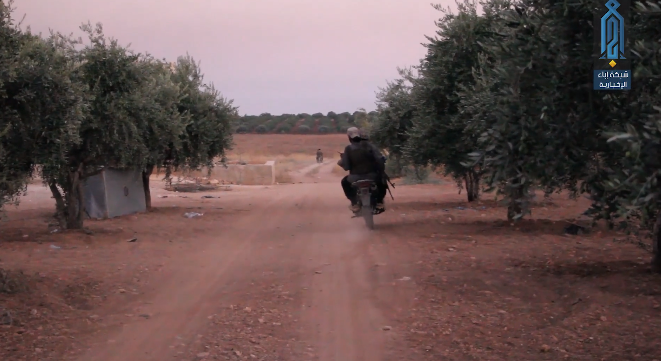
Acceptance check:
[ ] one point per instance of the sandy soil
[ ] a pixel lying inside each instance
(284, 273)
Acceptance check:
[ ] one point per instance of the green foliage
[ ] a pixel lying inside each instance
(72, 109)
(43, 104)
(394, 119)
(505, 97)
(416, 174)
(208, 118)
(395, 166)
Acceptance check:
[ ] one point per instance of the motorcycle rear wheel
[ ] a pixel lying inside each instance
(368, 215)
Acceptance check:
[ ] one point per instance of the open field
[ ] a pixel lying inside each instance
(258, 147)
(284, 273)
(291, 152)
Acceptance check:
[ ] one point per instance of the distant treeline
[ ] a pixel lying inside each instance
(302, 123)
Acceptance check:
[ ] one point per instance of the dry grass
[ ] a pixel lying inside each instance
(289, 151)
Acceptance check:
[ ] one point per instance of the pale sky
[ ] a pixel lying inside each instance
(275, 56)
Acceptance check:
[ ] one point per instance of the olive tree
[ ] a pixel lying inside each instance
(43, 103)
(109, 135)
(395, 112)
(155, 110)
(439, 133)
(207, 119)
(14, 169)
(634, 184)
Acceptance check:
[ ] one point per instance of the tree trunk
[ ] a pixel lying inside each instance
(514, 207)
(472, 181)
(74, 201)
(145, 185)
(656, 245)
(69, 203)
(60, 206)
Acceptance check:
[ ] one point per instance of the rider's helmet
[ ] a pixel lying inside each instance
(354, 133)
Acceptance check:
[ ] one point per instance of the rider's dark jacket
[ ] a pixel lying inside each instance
(362, 159)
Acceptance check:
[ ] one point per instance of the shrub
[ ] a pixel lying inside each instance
(395, 167)
(303, 129)
(414, 174)
(261, 129)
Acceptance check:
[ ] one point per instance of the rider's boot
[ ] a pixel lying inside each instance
(355, 207)
(380, 206)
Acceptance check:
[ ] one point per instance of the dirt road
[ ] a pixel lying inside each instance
(282, 273)
(299, 238)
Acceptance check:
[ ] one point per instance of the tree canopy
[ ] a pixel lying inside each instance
(504, 98)
(72, 108)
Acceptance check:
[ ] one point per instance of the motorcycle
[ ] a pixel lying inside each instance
(365, 191)
(320, 159)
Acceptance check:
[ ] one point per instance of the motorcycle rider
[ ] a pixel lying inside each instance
(363, 161)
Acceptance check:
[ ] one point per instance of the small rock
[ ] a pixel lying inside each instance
(603, 318)
(317, 272)
(387, 328)
(247, 309)
(202, 354)
(261, 320)
(451, 249)
(121, 290)
(132, 240)
(545, 348)
(237, 352)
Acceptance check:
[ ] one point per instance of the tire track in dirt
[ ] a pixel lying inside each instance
(190, 293)
(343, 315)
(299, 238)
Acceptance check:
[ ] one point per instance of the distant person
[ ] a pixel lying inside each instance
(320, 156)
(363, 161)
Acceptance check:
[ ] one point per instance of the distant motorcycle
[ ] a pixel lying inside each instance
(320, 159)
(366, 192)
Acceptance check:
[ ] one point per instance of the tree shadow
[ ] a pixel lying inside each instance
(527, 227)
(453, 204)
(599, 268)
